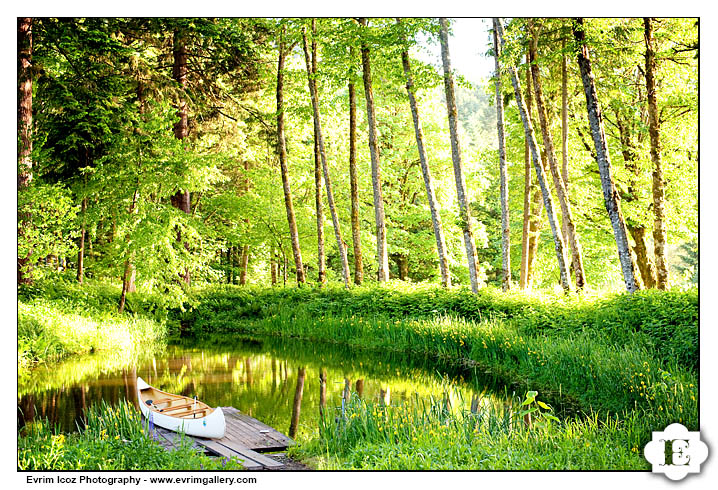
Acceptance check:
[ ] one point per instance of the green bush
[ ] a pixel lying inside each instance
(667, 321)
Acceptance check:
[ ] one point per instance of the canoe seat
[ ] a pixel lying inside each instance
(165, 400)
(192, 412)
(178, 407)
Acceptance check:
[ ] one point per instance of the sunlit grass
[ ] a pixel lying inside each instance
(433, 435)
(113, 438)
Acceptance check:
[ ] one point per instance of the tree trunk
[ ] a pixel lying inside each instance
(354, 183)
(456, 159)
(381, 242)
(636, 229)
(228, 264)
(128, 275)
(545, 191)
(311, 74)
(273, 267)
(659, 190)
(564, 130)
(529, 220)
(426, 172)
(182, 199)
(282, 150)
(297, 405)
(611, 198)
(243, 266)
(319, 205)
(503, 184)
(81, 248)
(24, 128)
(568, 224)
(235, 264)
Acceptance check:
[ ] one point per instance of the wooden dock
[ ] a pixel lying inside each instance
(244, 438)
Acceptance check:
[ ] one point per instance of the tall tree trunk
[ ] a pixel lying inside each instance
(564, 129)
(503, 184)
(81, 248)
(532, 202)
(464, 216)
(24, 128)
(354, 182)
(319, 205)
(382, 255)
(282, 150)
(545, 191)
(297, 405)
(569, 226)
(426, 172)
(540, 176)
(243, 266)
(636, 229)
(659, 190)
(610, 196)
(182, 199)
(311, 74)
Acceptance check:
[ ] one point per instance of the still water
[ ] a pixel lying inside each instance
(282, 382)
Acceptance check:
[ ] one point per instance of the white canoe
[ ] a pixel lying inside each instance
(180, 413)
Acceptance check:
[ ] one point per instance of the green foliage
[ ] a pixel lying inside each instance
(113, 439)
(47, 217)
(431, 436)
(60, 318)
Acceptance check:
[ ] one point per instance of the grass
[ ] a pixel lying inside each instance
(113, 438)
(58, 319)
(423, 436)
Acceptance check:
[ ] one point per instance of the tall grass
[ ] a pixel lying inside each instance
(58, 319)
(431, 435)
(113, 438)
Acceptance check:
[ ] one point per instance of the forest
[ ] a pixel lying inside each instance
(183, 183)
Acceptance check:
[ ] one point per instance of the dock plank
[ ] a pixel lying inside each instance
(226, 452)
(245, 438)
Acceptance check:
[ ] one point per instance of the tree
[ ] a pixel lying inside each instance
(24, 126)
(321, 255)
(282, 151)
(382, 255)
(654, 130)
(425, 171)
(503, 186)
(545, 191)
(611, 197)
(456, 158)
(559, 184)
(354, 186)
(311, 76)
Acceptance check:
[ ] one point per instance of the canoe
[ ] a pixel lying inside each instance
(180, 413)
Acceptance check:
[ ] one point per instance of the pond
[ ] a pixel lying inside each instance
(281, 382)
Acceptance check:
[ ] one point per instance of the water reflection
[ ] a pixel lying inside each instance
(284, 383)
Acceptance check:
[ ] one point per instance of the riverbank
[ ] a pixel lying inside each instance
(630, 363)
(627, 363)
